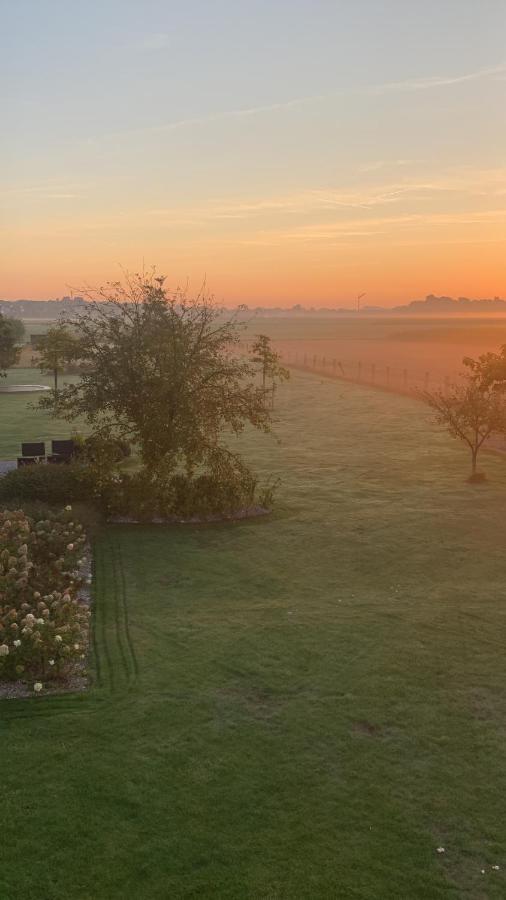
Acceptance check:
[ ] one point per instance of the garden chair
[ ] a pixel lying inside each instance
(32, 453)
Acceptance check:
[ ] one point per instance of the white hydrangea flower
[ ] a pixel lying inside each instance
(51, 662)
(37, 686)
(70, 546)
(68, 508)
(4, 650)
(17, 643)
(58, 638)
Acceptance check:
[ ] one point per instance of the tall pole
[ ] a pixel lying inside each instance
(359, 298)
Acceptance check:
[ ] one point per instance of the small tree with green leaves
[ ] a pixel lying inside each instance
(470, 411)
(11, 338)
(269, 362)
(57, 348)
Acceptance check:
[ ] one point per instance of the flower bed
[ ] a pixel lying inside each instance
(44, 617)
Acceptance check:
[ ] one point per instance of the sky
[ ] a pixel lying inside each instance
(286, 151)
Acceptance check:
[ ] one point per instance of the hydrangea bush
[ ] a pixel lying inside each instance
(44, 626)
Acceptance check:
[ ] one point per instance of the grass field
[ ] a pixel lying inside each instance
(301, 707)
(20, 422)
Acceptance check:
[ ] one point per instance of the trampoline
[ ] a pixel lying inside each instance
(23, 388)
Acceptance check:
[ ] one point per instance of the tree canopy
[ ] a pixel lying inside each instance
(268, 360)
(471, 411)
(57, 347)
(489, 370)
(163, 371)
(11, 336)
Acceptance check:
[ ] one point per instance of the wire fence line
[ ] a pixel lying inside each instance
(389, 377)
(384, 376)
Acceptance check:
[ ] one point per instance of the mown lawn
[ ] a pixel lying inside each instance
(301, 707)
(20, 421)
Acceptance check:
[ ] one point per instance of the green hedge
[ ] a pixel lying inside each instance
(47, 484)
(144, 497)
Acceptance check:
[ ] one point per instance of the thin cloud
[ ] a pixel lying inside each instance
(414, 85)
(435, 81)
(378, 164)
(384, 225)
(483, 183)
(44, 192)
(229, 114)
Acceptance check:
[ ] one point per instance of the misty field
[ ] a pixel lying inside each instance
(418, 352)
(303, 706)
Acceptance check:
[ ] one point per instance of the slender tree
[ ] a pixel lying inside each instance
(269, 362)
(57, 348)
(470, 411)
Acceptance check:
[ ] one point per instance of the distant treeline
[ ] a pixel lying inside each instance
(41, 309)
(432, 305)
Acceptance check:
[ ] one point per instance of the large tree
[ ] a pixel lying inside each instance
(11, 337)
(471, 411)
(164, 372)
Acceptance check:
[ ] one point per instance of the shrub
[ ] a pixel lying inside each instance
(99, 451)
(144, 495)
(46, 483)
(43, 625)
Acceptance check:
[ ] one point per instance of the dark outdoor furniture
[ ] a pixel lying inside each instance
(37, 448)
(63, 448)
(32, 452)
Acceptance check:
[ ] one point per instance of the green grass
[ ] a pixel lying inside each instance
(19, 421)
(299, 707)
